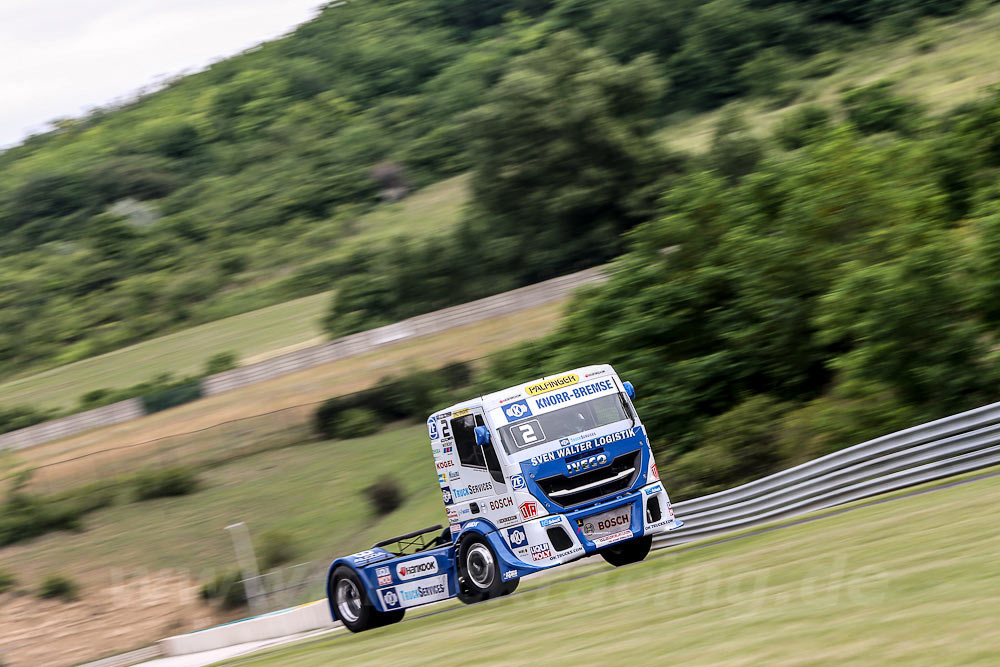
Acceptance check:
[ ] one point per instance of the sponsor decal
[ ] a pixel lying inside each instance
(446, 495)
(509, 398)
(613, 537)
(500, 503)
(464, 511)
(481, 488)
(384, 576)
(612, 521)
(442, 479)
(432, 429)
(528, 510)
(447, 450)
(509, 574)
(516, 411)
(517, 482)
(574, 550)
(563, 442)
(540, 552)
(445, 430)
(452, 516)
(420, 567)
(461, 492)
(595, 373)
(654, 472)
(441, 465)
(460, 413)
(363, 557)
(414, 593)
(577, 393)
(455, 528)
(436, 451)
(472, 524)
(653, 489)
(551, 520)
(453, 475)
(546, 386)
(563, 452)
(517, 537)
(506, 519)
(586, 464)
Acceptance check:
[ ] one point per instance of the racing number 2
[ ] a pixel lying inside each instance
(528, 432)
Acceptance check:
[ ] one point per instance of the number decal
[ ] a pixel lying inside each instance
(527, 433)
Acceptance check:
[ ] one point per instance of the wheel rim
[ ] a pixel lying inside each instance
(348, 600)
(480, 565)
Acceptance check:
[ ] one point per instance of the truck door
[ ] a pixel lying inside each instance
(481, 476)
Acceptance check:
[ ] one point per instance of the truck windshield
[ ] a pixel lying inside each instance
(563, 423)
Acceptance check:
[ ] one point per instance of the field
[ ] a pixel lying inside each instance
(253, 336)
(904, 582)
(944, 64)
(294, 394)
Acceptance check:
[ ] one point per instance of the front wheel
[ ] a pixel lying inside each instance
(479, 572)
(629, 552)
(353, 608)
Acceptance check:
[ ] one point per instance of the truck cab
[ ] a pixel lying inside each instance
(534, 476)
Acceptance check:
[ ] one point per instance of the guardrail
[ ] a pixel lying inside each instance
(949, 446)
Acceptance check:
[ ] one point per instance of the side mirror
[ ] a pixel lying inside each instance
(629, 389)
(482, 436)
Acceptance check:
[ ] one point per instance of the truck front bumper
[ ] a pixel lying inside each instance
(560, 538)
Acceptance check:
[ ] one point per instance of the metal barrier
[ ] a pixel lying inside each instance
(949, 446)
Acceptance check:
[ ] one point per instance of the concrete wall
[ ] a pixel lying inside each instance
(115, 413)
(348, 346)
(422, 325)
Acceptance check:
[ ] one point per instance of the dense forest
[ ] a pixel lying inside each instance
(241, 185)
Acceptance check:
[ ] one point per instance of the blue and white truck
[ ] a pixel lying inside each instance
(532, 477)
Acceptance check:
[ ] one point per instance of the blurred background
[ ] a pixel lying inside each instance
(220, 296)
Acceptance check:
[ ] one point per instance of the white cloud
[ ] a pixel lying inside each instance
(62, 57)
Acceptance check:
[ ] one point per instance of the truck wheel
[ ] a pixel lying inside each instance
(352, 605)
(625, 553)
(478, 572)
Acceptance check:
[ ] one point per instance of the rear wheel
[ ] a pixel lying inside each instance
(629, 552)
(479, 572)
(352, 606)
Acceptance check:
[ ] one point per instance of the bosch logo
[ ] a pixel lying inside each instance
(586, 464)
(620, 520)
(528, 510)
(501, 503)
(517, 537)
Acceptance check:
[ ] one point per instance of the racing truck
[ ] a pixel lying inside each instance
(534, 476)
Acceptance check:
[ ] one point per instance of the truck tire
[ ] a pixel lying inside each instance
(351, 603)
(629, 552)
(478, 572)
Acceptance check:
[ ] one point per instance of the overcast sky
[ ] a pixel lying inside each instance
(60, 58)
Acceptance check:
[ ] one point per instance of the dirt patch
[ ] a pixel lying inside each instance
(123, 615)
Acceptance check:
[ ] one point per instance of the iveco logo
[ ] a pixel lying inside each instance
(586, 464)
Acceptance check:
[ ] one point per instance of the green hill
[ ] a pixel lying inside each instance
(244, 185)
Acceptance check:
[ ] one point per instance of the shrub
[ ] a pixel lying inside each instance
(277, 547)
(456, 374)
(178, 394)
(227, 588)
(24, 517)
(802, 126)
(58, 586)
(151, 484)
(356, 423)
(874, 108)
(7, 581)
(223, 361)
(385, 495)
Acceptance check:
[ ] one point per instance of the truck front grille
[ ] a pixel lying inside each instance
(594, 484)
